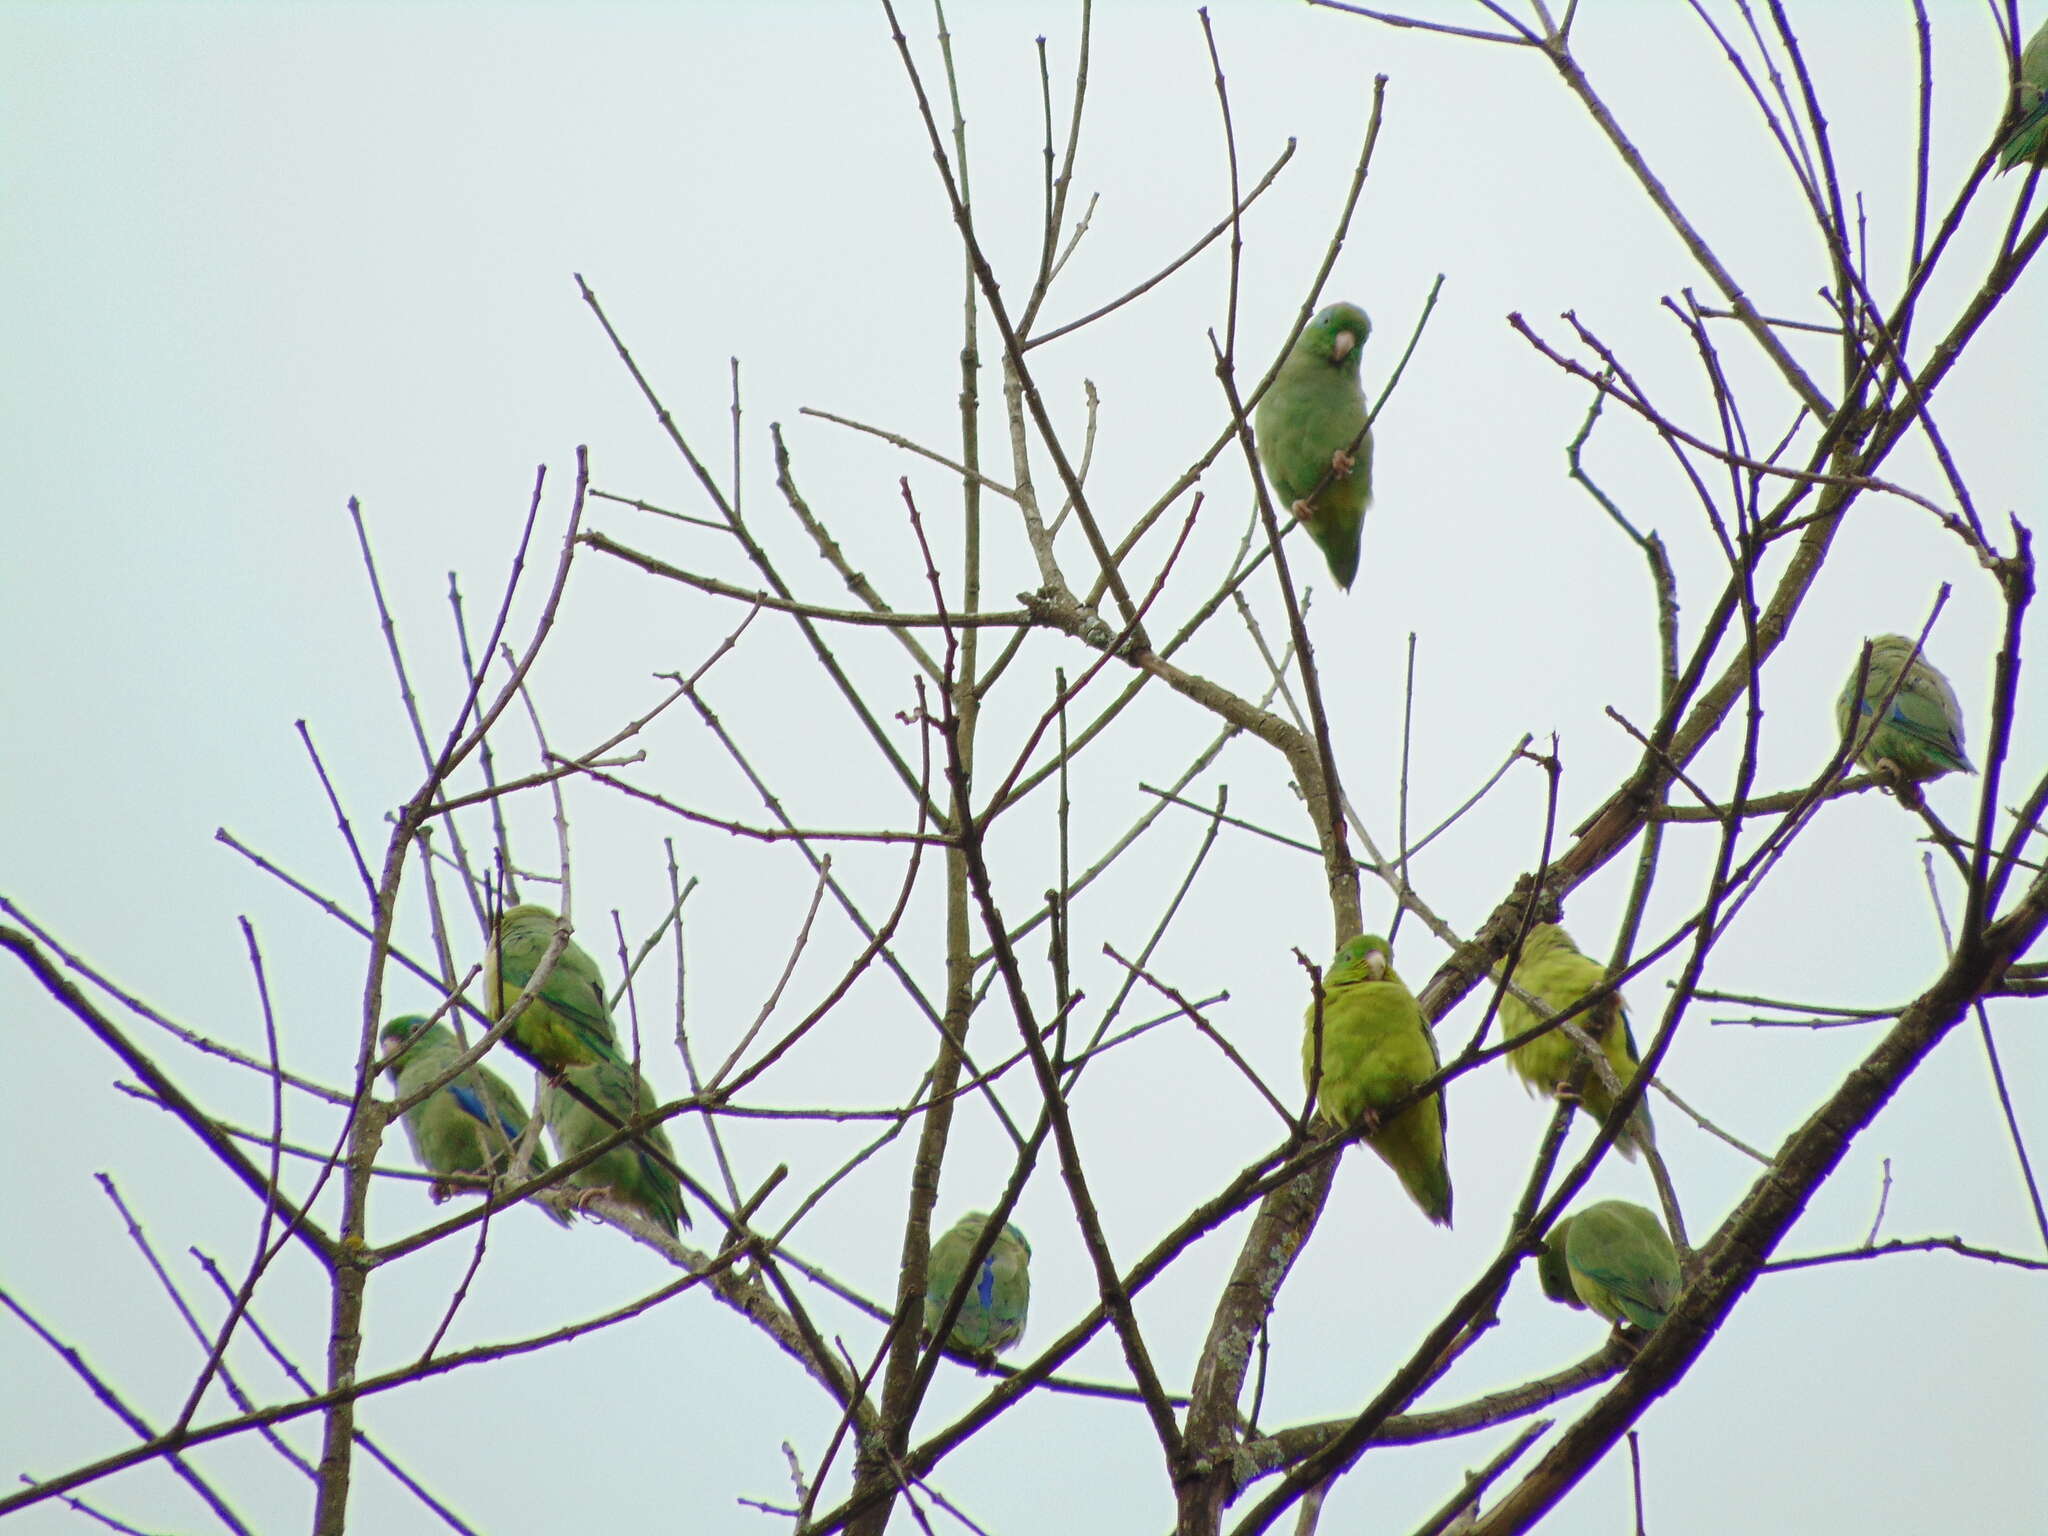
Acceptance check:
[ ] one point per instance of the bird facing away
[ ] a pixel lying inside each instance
(631, 1171)
(1613, 1257)
(2029, 137)
(1375, 1048)
(469, 1125)
(1553, 971)
(1309, 427)
(992, 1317)
(568, 1023)
(1921, 735)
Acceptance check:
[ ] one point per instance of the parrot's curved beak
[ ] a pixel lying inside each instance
(1376, 962)
(1341, 347)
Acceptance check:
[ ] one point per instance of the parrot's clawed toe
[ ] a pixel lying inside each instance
(1899, 783)
(1303, 512)
(1342, 463)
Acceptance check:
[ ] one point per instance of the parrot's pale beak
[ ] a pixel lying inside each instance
(1341, 347)
(1376, 962)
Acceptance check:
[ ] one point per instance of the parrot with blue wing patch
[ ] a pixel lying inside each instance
(1614, 1257)
(992, 1317)
(471, 1124)
(1921, 735)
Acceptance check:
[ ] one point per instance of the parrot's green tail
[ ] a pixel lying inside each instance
(1431, 1189)
(1413, 1147)
(1636, 1135)
(2027, 141)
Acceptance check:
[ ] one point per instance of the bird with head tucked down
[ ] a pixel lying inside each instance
(992, 1315)
(1920, 736)
(1552, 971)
(1614, 1257)
(568, 1023)
(633, 1171)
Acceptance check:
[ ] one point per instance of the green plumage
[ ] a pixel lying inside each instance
(1308, 423)
(1921, 736)
(568, 1023)
(992, 1317)
(1552, 970)
(629, 1171)
(2028, 140)
(467, 1126)
(1613, 1257)
(1375, 1048)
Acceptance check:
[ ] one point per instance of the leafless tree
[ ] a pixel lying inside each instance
(1012, 711)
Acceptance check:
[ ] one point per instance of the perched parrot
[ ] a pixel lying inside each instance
(1308, 424)
(1922, 733)
(1375, 1048)
(568, 1023)
(468, 1126)
(2029, 137)
(1552, 969)
(1613, 1257)
(992, 1317)
(629, 1171)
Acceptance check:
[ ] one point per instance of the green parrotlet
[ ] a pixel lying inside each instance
(1309, 427)
(631, 1171)
(568, 1023)
(1552, 970)
(1921, 735)
(468, 1126)
(1375, 1048)
(992, 1317)
(2028, 140)
(1613, 1257)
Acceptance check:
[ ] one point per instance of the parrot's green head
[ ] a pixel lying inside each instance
(1547, 939)
(526, 917)
(970, 1225)
(401, 1031)
(1365, 958)
(974, 1221)
(1337, 335)
(1552, 1272)
(1890, 648)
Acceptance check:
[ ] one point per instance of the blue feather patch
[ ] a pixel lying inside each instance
(471, 1101)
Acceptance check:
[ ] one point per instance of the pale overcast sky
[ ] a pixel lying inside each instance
(258, 259)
